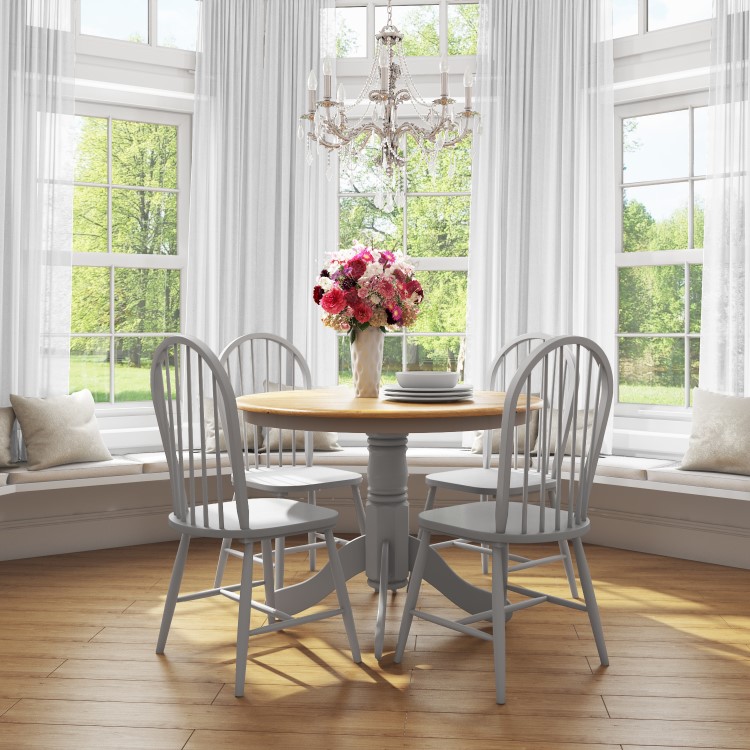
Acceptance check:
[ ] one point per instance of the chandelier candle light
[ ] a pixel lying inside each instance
(379, 135)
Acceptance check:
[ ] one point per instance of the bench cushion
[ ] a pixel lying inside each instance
(708, 479)
(623, 467)
(85, 470)
(7, 417)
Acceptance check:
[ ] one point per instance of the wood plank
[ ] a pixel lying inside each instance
(42, 737)
(206, 739)
(678, 709)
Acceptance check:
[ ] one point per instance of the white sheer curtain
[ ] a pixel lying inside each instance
(725, 319)
(36, 102)
(541, 252)
(261, 219)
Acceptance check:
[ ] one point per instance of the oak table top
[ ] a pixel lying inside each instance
(339, 409)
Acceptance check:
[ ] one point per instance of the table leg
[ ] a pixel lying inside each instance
(387, 510)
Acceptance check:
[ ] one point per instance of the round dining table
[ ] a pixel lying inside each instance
(386, 551)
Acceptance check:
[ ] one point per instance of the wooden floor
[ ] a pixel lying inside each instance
(78, 669)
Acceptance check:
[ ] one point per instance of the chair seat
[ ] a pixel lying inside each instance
(270, 517)
(481, 481)
(299, 478)
(476, 521)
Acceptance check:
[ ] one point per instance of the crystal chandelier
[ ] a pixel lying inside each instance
(379, 135)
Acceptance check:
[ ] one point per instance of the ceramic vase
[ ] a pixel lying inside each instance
(367, 361)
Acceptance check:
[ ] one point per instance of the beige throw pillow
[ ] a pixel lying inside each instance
(247, 427)
(59, 430)
(478, 444)
(7, 417)
(580, 420)
(720, 434)
(322, 441)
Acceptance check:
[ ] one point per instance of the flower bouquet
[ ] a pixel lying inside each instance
(365, 287)
(365, 291)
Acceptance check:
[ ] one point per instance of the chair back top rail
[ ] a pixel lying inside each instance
(187, 379)
(574, 378)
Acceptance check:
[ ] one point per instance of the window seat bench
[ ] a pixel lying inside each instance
(644, 504)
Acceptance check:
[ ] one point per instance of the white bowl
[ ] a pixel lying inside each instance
(427, 379)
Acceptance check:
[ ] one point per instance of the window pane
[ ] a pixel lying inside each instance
(177, 23)
(435, 353)
(624, 18)
(361, 221)
(144, 221)
(419, 25)
(664, 13)
(89, 220)
(115, 19)
(655, 147)
(89, 365)
(463, 29)
(700, 140)
(655, 217)
(699, 214)
(652, 299)
(147, 300)
(696, 292)
(91, 150)
(437, 226)
(360, 175)
(652, 371)
(133, 367)
(351, 32)
(444, 306)
(89, 310)
(144, 154)
(452, 171)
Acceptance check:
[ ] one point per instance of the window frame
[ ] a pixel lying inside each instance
(178, 262)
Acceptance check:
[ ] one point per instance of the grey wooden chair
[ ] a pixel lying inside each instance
(483, 482)
(511, 518)
(184, 375)
(261, 362)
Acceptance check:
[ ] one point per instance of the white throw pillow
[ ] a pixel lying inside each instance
(59, 430)
(7, 417)
(720, 435)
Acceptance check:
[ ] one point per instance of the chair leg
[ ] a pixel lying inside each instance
(569, 571)
(268, 577)
(222, 564)
(278, 566)
(312, 499)
(499, 584)
(485, 560)
(359, 508)
(243, 620)
(590, 598)
(412, 594)
(428, 505)
(339, 582)
(173, 592)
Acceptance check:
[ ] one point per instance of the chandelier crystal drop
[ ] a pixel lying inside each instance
(378, 136)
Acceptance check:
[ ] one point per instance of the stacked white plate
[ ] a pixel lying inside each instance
(428, 395)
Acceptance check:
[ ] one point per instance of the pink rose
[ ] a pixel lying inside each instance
(333, 301)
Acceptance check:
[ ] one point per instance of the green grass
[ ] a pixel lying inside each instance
(92, 372)
(663, 395)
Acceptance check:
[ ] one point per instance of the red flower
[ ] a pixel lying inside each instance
(362, 312)
(352, 297)
(356, 268)
(333, 301)
(318, 294)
